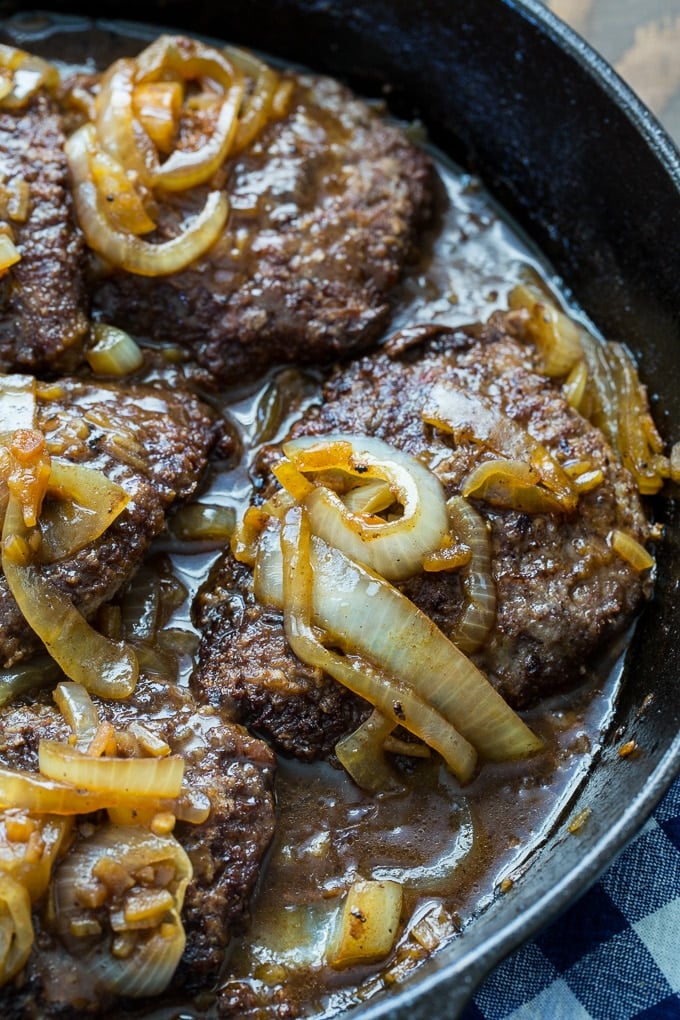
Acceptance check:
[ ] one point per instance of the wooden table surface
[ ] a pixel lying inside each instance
(641, 39)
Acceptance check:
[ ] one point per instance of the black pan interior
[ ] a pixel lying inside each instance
(506, 90)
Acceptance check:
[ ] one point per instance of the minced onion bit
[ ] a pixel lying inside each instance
(129, 156)
(314, 557)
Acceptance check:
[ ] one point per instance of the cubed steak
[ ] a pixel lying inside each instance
(326, 206)
(222, 762)
(43, 301)
(562, 591)
(152, 442)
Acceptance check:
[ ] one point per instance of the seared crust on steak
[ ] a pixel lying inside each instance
(43, 304)
(152, 442)
(562, 591)
(326, 205)
(223, 761)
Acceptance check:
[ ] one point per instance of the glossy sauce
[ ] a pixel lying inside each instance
(454, 850)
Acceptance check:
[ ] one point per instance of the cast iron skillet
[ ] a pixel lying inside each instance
(507, 90)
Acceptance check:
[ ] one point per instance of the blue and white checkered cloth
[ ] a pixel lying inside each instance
(615, 954)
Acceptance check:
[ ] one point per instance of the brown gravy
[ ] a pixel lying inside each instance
(454, 850)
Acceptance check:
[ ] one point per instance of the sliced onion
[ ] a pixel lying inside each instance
(147, 777)
(87, 504)
(362, 754)
(16, 927)
(39, 672)
(256, 108)
(29, 848)
(120, 133)
(187, 169)
(556, 337)
(510, 485)
(125, 250)
(79, 712)
(158, 107)
(119, 199)
(630, 550)
(395, 549)
(27, 74)
(479, 612)
(106, 668)
(638, 442)
(114, 351)
(191, 59)
(364, 615)
(574, 386)
(28, 475)
(155, 951)
(471, 417)
(394, 698)
(9, 253)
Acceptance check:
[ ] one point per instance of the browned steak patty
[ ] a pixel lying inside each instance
(223, 761)
(43, 304)
(152, 442)
(325, 207)
(561, 590)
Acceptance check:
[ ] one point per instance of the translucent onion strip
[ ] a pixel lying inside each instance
(79, 712)
(106, 668)
(509, 485)
(148, 777)
(393, 548)
(363, 614)
(470, 417)
(126, 250)
(479, 590)
(395, 699)
(29, 847)
(362, 754)
(630, 550)
(556, 337)
(87, 503)
(16, 927)
(40, 795)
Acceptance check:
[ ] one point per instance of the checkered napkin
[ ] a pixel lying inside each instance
(614, 955)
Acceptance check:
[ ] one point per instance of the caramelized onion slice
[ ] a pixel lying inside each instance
(87, 504)
(362, 754)
(479, 589)
(121, 135)
(106, 668)
(126, 250)
(158, 778)
(510, 485)
(16, 927)
(395, 699)
(78, 710)
(364, 615)
(26, 73)
(471, 417)
(556, 337)
(393, 548)
(141, 938)
(29, 847)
